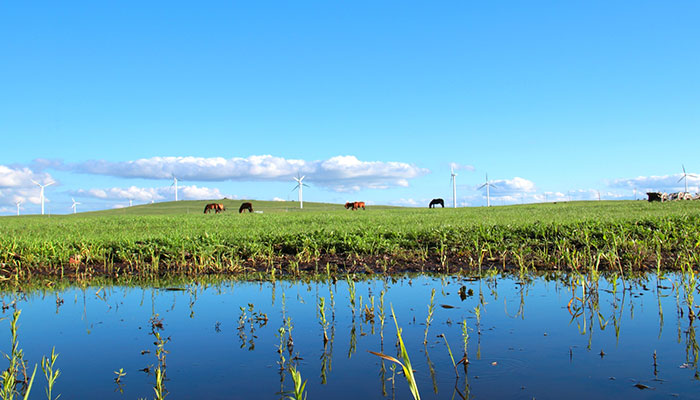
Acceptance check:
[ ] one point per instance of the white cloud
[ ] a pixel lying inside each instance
(340, 173)
(511, 186)
(457, 166)
(410, 202)
(21, 177)
(186, 192)
(16, 185)
(664, 183)
(277, 199)
(133, 192)
(200, 193)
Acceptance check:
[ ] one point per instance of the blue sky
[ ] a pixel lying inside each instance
(370, 100)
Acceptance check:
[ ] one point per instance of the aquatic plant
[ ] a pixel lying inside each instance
(442, 335)
(51, 374)
(299, 386)
(429, 318)
(17, 364)
(322, 321)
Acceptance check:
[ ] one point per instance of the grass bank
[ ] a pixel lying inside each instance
(178, 238)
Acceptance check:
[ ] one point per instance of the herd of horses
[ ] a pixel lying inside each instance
(218, 207)
(354, 205)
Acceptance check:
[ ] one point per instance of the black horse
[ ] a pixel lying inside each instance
(435, 202)
(245, 206)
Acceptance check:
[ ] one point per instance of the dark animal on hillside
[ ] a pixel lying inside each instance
(657, 196)
(245, 206)
(217, 208)
(435, 202)
(355, 205)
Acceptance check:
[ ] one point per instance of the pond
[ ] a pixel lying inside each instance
(533, 336)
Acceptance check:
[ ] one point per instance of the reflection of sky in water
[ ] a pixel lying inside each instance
(531, 346)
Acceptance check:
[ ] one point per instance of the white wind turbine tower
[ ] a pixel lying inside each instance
(19, 202)
(685, 178)
(487, 185)
(74, 206)
(41, 194)
(175, 184)
(300, 185)
(454, 186)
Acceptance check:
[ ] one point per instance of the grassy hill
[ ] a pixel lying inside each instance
(197, 207)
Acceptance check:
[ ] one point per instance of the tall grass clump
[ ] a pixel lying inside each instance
(10, 382)
(406, 364)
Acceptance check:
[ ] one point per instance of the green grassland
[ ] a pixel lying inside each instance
(178, 237)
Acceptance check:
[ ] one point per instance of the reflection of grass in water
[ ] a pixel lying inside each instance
(586, 289)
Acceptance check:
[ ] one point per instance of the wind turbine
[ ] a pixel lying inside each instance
(175, 184)
(41, 194)
(18, 204)
(685, 178)
(131, 202)
(454, 186)
(487, 185)
(300, 185)
(74, 206)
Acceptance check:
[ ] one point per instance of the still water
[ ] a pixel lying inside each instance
(528, 337)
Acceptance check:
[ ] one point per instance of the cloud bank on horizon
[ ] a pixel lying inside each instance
(339, 174)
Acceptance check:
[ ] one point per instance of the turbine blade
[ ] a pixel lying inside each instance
(681, 178)
(482, 186)
(683, 168)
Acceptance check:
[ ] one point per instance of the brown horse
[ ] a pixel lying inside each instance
(216, 207)
(245, 206)
(355, 205)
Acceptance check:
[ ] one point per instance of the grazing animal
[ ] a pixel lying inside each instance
(657, 196)
(216, 207)
(245, 206)
(355, 205)
(435, 202)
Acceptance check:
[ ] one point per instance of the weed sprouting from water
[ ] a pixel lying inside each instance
(406, 365)
(10, 382)
(51, 374)
(429, 318)
(299, 386)
(322, 318)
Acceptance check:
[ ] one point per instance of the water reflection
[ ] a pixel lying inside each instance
(512, 335)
